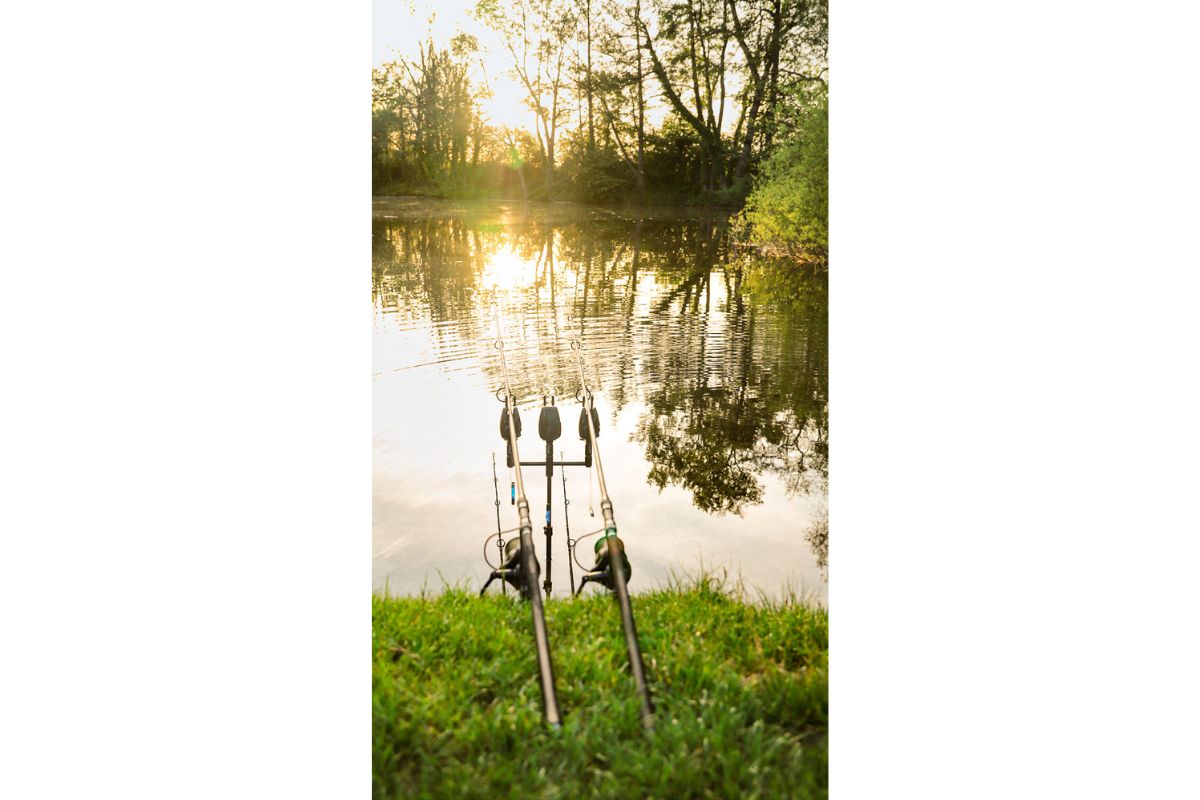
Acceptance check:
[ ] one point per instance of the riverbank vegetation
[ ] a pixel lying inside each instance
(788, 210)
(741, 693)
(702, 102)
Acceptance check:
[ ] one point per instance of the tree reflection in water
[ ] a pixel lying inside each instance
(747, 401)
(726, 353)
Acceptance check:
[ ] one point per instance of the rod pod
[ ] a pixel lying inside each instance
(549, 428)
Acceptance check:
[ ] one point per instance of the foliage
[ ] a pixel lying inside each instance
(593, 174)
(741, 694)
(789, 207)
(426, 130)
(543, 30)
(735, 75)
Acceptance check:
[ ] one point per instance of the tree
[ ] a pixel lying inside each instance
(545, 27)
(621, 86)
(737, 77)
(426, 126)
(696, 59)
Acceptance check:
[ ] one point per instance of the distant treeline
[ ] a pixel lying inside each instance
(744, 81)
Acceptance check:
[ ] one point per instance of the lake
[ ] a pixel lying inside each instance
(709, 368)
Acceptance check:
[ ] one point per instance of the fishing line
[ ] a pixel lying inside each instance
(580, 539)
(567, 520)
(488, 539)
(499, 533)
(391, 548)
(591, 511)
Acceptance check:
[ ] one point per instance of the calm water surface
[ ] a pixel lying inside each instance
(710, 377)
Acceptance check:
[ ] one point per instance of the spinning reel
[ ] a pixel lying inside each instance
(512, 569)
(602, 571)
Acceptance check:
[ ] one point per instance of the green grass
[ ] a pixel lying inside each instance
(741, 694)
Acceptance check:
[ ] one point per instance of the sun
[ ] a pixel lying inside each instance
(506, 269)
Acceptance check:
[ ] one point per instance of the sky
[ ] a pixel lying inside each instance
(398, 25)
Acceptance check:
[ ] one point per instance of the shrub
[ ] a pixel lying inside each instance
(789, 206)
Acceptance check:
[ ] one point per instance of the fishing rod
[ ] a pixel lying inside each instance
(612, 567)
(521, 565)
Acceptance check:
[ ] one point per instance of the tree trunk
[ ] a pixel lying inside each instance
(772, 100)
(743, 161)
(641, 109)
(591, 129)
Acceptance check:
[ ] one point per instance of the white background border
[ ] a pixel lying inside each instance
(186, 415)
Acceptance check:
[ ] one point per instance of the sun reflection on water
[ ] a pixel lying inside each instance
(506, 269)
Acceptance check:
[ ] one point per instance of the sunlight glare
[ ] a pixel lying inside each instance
(399, 27)
(507, 269)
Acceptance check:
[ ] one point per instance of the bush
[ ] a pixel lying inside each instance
(597, 177)
(789, 206)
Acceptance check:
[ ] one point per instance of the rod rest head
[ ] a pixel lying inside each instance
(549, 424)
(583, 428)
(504, 422)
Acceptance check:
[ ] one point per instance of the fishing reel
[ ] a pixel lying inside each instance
(512, 570)
(602, 571)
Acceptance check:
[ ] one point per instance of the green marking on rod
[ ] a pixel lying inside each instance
(603, 539)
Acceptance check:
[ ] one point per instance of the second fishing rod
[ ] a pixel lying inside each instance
(616, 561)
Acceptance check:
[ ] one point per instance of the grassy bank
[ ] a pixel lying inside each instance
(741, 692)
